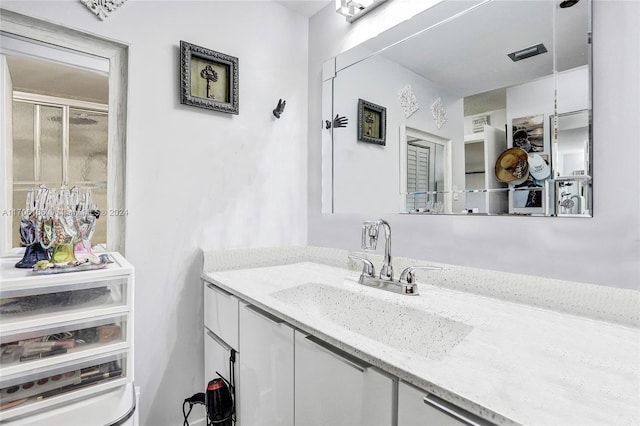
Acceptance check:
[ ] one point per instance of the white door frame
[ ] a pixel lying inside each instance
(406, 131)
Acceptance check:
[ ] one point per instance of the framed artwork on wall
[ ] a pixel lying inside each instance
(372, 122)
(208, 79)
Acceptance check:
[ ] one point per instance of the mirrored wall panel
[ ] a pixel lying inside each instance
(471, 107)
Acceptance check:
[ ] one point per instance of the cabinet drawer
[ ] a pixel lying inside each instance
(65, 382)
(24, 308)
(22, 351)
(417, 407)
(221, 314)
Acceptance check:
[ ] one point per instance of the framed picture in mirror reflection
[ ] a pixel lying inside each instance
(372, 122)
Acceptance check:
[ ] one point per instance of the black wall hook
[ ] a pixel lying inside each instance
(279, 108)
(337, 122)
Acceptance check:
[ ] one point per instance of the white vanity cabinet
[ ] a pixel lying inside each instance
(266, 369)
(334, 388)
(286, 377)
(67, 345)
(220, 335)
(417, 407)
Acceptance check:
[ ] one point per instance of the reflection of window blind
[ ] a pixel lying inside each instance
(417, 175)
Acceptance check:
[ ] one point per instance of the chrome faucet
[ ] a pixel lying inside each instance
(370, 233)
(406, 284)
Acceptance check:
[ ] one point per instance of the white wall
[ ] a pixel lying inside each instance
(609, 242)
(196, 178)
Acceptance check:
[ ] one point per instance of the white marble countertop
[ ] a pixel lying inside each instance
(518, 364)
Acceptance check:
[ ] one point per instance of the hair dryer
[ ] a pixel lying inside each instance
(219, 403)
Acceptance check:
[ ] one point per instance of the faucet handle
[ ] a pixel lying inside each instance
(408, 277)
(367, 267)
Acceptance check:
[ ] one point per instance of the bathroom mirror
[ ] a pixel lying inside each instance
(463, 83)
(63, 120)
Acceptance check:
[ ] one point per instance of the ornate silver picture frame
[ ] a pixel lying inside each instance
(208, 79)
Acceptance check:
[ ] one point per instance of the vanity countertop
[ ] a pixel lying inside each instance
(518, 364)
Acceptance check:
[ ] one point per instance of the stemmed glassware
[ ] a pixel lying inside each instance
(29, 230)
(63, 218)
(58, 226)
(87, 214)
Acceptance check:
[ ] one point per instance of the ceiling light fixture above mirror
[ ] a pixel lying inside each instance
(354, 9)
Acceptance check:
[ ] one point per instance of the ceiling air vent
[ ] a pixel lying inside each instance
(527, 52)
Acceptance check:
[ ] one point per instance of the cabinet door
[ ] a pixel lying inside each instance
(417, 407)
(333, 388)
(266, 369)
(216, 358)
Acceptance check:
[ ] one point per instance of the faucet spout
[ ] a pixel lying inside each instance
(370, 234)
(386, 272)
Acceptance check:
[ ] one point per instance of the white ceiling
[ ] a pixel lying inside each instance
(306, 8)
(468, 54)
(33, 75)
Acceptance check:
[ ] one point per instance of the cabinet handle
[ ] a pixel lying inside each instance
(265, 315)
(453, 411)
(219, 290)
(218, 340)
(345, 358)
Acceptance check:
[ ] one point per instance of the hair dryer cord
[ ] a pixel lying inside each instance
(198, 398)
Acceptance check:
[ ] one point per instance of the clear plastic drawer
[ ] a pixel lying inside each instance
(54, 383)
(75, 338)
(44, 301)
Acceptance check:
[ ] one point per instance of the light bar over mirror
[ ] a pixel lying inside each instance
(354, 9)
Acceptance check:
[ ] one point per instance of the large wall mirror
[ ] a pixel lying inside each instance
(487, 111)
(63, 121)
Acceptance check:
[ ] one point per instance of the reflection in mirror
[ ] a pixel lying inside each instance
(65, 92)
(485, 80)
(59, 122)
(480, 151)
(573, 183)
(425, 171)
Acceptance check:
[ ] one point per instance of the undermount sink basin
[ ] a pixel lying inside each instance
(402, 327)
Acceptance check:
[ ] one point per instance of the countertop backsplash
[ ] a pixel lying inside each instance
(619, 306)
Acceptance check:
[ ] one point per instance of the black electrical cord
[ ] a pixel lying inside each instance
(195, 399)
